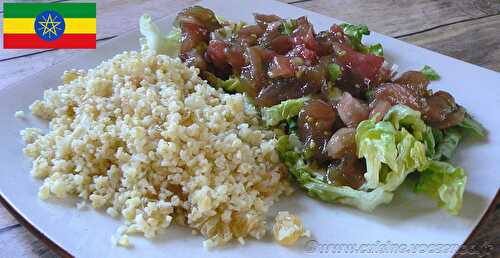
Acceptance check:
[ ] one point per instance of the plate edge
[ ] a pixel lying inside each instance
(473, 235)
(52, 245)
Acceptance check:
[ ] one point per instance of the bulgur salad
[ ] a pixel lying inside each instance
(209, 125)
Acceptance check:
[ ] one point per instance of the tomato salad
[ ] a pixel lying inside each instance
(350, 128)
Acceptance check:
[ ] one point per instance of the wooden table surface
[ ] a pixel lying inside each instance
(465, 29)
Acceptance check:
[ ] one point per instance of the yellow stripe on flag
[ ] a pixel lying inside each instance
(27, 26)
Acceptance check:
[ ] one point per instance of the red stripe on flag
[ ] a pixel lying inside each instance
(65, 41)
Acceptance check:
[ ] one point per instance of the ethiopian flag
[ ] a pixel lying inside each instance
(49, 25)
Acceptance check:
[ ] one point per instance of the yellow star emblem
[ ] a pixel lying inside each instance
(50, 26)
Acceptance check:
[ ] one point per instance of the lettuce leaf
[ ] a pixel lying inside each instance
(334, 72)
(356, 33)
(376, 49)
(401, 115)
(401, 144)
(161, 44)
(445, 183)
(376, 142)
(289, 26)
(389, 143)
(447, 140)
(431, 74)
(446, 143)
(284, 111)
(289, 152)
(411, 158)
(231, 85)
(229, 29)
(396, 146)
(470, 126)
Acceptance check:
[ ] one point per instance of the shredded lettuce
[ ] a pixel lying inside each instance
(221, 19)
(290, 154)
(376, 49)
(334, 72)
(334, 93)
(430, 73)
(229, 29)
(284, 111)
(356, 33)
(446, 143)
(472, 127)
(393, 148)
(444, 182)
(389, 143)
(370, 95)
(156, 41)
(411, 157)
(447, 140)
(403, 144)
(231, 85)
(401, 115)
(376, 142)
(289, 26)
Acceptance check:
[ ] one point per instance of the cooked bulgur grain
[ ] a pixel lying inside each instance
(19, 114)
(288, 228)
(141, 136)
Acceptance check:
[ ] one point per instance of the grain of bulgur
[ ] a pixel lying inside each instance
(19, 114)
(288, 228)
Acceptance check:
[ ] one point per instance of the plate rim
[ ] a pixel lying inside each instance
(33, 229)
(52, 245)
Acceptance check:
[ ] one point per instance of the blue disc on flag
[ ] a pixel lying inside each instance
(49, 25)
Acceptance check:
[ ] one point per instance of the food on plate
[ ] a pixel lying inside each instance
(142, 137)
(19, 114)
(206, 126)
(288, 228)
(351, 129)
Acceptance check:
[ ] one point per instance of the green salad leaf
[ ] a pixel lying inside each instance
(231, 85)
(370, 95)
(290, 154)
(355, 32)
(401, 115)
(229, 29)
(389, 142)
(430, 73)
(445, 183)
(418, 148)
(446, 143)
(472, 127)
(282, 112)
(447, 140)
(289, 26)
(376, 49)
(161, 44)
(334, 72)
(376, 142)
(396, 146)
(221, 19)
(334, 93)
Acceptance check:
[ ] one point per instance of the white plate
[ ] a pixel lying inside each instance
(409, 219)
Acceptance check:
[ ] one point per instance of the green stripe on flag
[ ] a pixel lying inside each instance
(31, 10)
